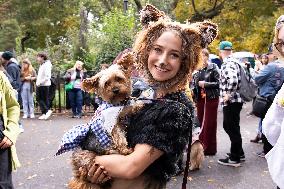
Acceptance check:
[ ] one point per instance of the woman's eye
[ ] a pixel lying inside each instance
(157, 49)
(174, 55)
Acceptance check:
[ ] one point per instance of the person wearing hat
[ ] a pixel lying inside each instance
(232, 103)
(12, 69)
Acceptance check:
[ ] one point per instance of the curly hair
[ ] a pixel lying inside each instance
(194, 38)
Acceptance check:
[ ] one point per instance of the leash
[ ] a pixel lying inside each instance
(186, 171)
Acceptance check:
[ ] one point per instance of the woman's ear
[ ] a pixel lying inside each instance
(208, 31)
(91, 85)
(126, 61)
(150, 14)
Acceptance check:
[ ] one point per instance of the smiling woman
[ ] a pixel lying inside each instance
(167, 52)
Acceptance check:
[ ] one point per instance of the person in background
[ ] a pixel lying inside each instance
(28, 77)
(14, 72)
(9, 131)
(273, 123)
(269, 80)
(260, 64)
(76, 75)
(232, 103)
(264, 60)
(43, 82)
(206, 95)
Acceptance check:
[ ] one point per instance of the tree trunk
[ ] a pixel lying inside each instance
(23, 40)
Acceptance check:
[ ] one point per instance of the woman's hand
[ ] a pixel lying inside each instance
(97, 174)
(5, 143)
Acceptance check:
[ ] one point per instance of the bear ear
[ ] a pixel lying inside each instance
(208, 31)
(90, 85)
(150, 14)
(126, 61)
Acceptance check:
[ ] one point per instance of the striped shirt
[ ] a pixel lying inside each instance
(230, 80)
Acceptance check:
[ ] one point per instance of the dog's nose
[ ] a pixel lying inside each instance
(115, 91)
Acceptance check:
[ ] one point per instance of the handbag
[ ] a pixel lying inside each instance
(260, 106)
(69, 86)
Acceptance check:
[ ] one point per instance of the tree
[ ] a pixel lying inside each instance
(10, 30)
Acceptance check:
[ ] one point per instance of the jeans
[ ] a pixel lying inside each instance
(231, 124)
(27, 98)
(42, 98)
(76, 101)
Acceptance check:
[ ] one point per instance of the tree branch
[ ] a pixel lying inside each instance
(138, 5)
(193, 6)
(174, 4)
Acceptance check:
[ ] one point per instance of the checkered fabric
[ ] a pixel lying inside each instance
(74, 136)
(230, 80)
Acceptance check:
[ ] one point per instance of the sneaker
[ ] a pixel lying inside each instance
(32, 116)
(242, 157)
(43, 116)
(25, 116)
(229, 162)
(48, 114)
(261, 154)
(21, 128)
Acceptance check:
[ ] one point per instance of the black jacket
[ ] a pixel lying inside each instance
(212, 77)
(14, 72)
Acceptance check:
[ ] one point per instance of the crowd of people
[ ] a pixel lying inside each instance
(167, 53)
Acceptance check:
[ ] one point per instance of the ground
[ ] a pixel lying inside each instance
(41, 169)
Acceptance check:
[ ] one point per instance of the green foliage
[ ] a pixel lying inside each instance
(9, 32)
(115, 34)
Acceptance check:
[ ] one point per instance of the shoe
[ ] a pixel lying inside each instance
(42, 117)
(48, 114)
(229, 162)
(32, 116)
(256, 139)
(25, 116)
(21, 128)
(261, 154)
(242, 157)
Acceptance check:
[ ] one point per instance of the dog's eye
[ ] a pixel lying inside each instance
(118, 79)
(107, 83)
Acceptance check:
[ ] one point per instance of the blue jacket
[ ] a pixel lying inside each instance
(270, 79)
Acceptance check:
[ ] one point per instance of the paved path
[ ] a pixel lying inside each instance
(42, 170)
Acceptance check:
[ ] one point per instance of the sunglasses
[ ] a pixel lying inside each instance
(279, 46)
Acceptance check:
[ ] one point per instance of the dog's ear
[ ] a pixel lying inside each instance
(126, 61)
(150, 14)
(90, 85)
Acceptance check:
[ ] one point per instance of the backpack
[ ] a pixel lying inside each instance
(248, 88)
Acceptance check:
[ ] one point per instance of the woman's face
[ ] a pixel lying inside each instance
(79, 66)
(205, 60)
(26, 65)
(165, 56)
(264, 60)
(280, 43)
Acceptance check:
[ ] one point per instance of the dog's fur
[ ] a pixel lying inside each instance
(196, 156)
(114, 86)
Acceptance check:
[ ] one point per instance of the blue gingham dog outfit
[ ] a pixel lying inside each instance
(75, 136)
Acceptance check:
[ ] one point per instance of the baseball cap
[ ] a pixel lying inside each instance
(225, 45)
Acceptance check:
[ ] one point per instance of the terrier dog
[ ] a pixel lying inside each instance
(113, 85)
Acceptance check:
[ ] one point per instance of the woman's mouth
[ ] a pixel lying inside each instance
(161, 69)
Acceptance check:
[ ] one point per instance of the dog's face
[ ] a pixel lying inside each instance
(112, 84)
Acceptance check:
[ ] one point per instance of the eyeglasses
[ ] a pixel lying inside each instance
(279, 46)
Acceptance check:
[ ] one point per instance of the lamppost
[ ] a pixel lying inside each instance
(125, 2)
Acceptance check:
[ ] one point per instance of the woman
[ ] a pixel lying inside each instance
(167, 52)
(273, 123)
(206, 93)
(28, 76)
(260, 64)
(75, 76)
(9, 131)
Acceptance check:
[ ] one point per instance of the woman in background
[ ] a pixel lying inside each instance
(28, 77)
(75, 76)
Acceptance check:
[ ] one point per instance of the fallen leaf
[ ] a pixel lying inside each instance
(210, 180)
(31, 177)
(189, 178)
